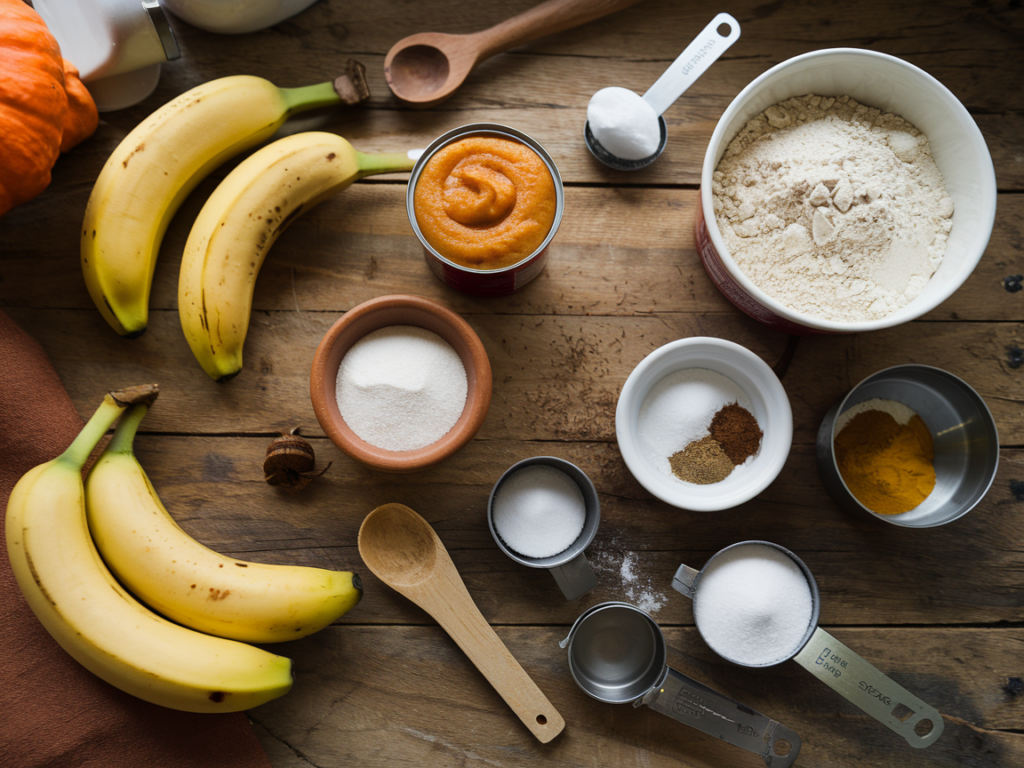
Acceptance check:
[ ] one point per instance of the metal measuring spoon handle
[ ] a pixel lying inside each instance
(692, 63)
(717, 715)
(860, 683)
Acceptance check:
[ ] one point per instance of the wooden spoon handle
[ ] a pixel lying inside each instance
(545, 19)
(462, 620)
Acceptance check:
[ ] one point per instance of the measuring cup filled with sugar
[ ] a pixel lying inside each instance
(543, 512)
(617, 654)
(626, 131)
(757, 604)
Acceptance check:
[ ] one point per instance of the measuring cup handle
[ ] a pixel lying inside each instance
(717, 715)
(575, 577)
(860, 683)
(692, 63)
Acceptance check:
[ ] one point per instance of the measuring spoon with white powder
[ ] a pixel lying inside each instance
(626, 131)
(756, 604)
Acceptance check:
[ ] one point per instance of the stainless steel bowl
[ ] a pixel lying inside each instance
(962, 428)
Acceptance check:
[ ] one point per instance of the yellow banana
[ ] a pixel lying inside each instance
(240, 222)
(185, 581)
(101, 625)
(154, 168)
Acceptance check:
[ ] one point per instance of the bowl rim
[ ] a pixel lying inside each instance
(771, 463)
(326, 410)
(986, 173)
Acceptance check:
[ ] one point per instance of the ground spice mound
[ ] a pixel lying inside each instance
(737, 431)
(702, 462)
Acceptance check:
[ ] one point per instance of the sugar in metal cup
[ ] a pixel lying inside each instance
(766, 581)
(569, 567)
(485, 282)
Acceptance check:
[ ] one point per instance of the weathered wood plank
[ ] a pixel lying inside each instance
(617, 252)
(869, 572)
(555, 378)
(407, 696)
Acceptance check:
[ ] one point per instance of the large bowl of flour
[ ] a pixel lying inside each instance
(844, 190)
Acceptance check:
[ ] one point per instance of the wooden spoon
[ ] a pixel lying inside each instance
(425, 69)
(403, 551)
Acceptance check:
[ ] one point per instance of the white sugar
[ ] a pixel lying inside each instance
(539, 511)
(401, 388)
(678, 410)
(753, 605)
(623, 123)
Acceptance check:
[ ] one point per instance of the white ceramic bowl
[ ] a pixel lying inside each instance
(891, 85)
(757, 381)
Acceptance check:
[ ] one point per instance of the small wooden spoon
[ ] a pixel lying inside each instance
(403, 551)
(425, 69)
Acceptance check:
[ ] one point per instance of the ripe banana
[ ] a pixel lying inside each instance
(176, 575)
(101, 625)
(239, 223)
(154, 168)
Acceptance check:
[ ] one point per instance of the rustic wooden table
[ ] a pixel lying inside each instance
(941, 611)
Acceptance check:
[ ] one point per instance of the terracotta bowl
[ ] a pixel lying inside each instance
(399, 310)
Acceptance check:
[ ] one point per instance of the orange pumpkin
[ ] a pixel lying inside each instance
(44, 108)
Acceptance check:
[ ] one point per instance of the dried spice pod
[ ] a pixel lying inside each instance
(291, 462)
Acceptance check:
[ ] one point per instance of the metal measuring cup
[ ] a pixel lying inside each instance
(693, 62)
(835, 664)
(569, 567)
(617, 654)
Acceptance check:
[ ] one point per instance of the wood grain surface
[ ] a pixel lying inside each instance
(941, 611)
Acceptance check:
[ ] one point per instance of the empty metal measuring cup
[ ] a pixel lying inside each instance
(617, 654)
(693, 62)
(833, 663)
(569, 567)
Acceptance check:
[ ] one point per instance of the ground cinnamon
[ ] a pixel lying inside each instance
(737, 431)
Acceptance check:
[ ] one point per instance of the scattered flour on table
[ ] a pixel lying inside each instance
(833, 208)
(625, 567)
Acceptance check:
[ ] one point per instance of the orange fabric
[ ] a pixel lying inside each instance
(53, 712)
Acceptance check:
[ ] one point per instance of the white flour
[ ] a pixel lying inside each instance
(832, 208)
(636, 588)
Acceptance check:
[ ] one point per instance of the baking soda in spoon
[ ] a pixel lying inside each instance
(624, 128)
(539, 511)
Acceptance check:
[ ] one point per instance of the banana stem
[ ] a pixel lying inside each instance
(309, 97)
(78, 452)
(124, 435)
(383, 162)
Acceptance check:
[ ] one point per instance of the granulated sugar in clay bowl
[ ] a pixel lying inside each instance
(761, 393)
(891, 85)
(398, 312)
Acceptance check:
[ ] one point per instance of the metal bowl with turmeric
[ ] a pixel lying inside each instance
(485, 201)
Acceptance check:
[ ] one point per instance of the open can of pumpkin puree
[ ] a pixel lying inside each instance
(484, 209)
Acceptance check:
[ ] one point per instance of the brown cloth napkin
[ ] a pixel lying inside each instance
(54, 712)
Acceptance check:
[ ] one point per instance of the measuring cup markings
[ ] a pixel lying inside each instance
(606, 669)
(836, 665)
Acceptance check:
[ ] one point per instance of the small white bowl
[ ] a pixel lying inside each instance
(891, 85)
(757, 381)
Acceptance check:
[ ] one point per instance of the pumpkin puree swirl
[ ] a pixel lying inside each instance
(485, 202)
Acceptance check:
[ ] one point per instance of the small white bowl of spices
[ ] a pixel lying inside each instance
(400, 383)
(704, 424)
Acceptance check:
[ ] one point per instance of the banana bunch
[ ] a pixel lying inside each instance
(105, 628)
(239, 223)
(176, 575)
(154, 168)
